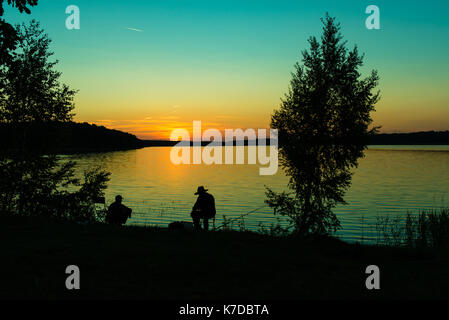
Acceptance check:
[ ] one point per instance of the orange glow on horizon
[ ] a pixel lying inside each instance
(162, 129)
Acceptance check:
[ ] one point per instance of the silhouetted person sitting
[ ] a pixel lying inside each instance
(117, 212)
(204, 208)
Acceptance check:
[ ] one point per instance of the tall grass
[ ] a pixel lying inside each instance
(428, 229)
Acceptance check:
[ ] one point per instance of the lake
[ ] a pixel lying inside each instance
(389, 180)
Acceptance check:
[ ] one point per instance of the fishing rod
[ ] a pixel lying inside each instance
(185, 206)
(239, 217)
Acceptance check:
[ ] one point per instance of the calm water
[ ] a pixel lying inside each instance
(389, 180)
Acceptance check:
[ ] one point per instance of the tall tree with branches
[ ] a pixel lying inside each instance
(33, 180)
(324, 125)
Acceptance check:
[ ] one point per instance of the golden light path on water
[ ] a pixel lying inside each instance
(389, 180)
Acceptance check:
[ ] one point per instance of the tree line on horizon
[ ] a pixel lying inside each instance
(73, 137)
(65, 137)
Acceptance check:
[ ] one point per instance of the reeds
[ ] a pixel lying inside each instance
(428, 229)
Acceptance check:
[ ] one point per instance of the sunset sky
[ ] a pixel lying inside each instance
(147, 67)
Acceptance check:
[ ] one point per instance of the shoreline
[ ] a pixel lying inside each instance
(138, 262)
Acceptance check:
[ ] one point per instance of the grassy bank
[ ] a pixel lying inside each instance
(136, 262)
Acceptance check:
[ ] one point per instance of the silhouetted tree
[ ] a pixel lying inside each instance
(8, 35)
(30, 88)
(31, 182)
(323, 125)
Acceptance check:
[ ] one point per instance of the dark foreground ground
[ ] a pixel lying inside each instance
(134, 262)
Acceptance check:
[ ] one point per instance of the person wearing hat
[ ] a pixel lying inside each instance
(204, 208)
(117, 212)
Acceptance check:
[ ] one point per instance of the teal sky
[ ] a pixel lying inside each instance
(228, 63)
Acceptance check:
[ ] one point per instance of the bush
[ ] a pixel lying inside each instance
(40, 186)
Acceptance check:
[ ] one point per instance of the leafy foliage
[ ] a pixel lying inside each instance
(33, 182)
(323, 125)
(315, 222)
(8, 35)
(30, 88)
(41, 186)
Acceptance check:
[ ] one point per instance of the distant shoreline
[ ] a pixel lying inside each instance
(425, 138)
(173, 143)
(76, 138)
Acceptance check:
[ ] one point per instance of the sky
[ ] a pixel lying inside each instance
(148, 67)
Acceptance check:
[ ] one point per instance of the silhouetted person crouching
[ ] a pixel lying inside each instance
(117, 212)
(204, 208)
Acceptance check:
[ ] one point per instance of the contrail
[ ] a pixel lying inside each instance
(132, 29)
